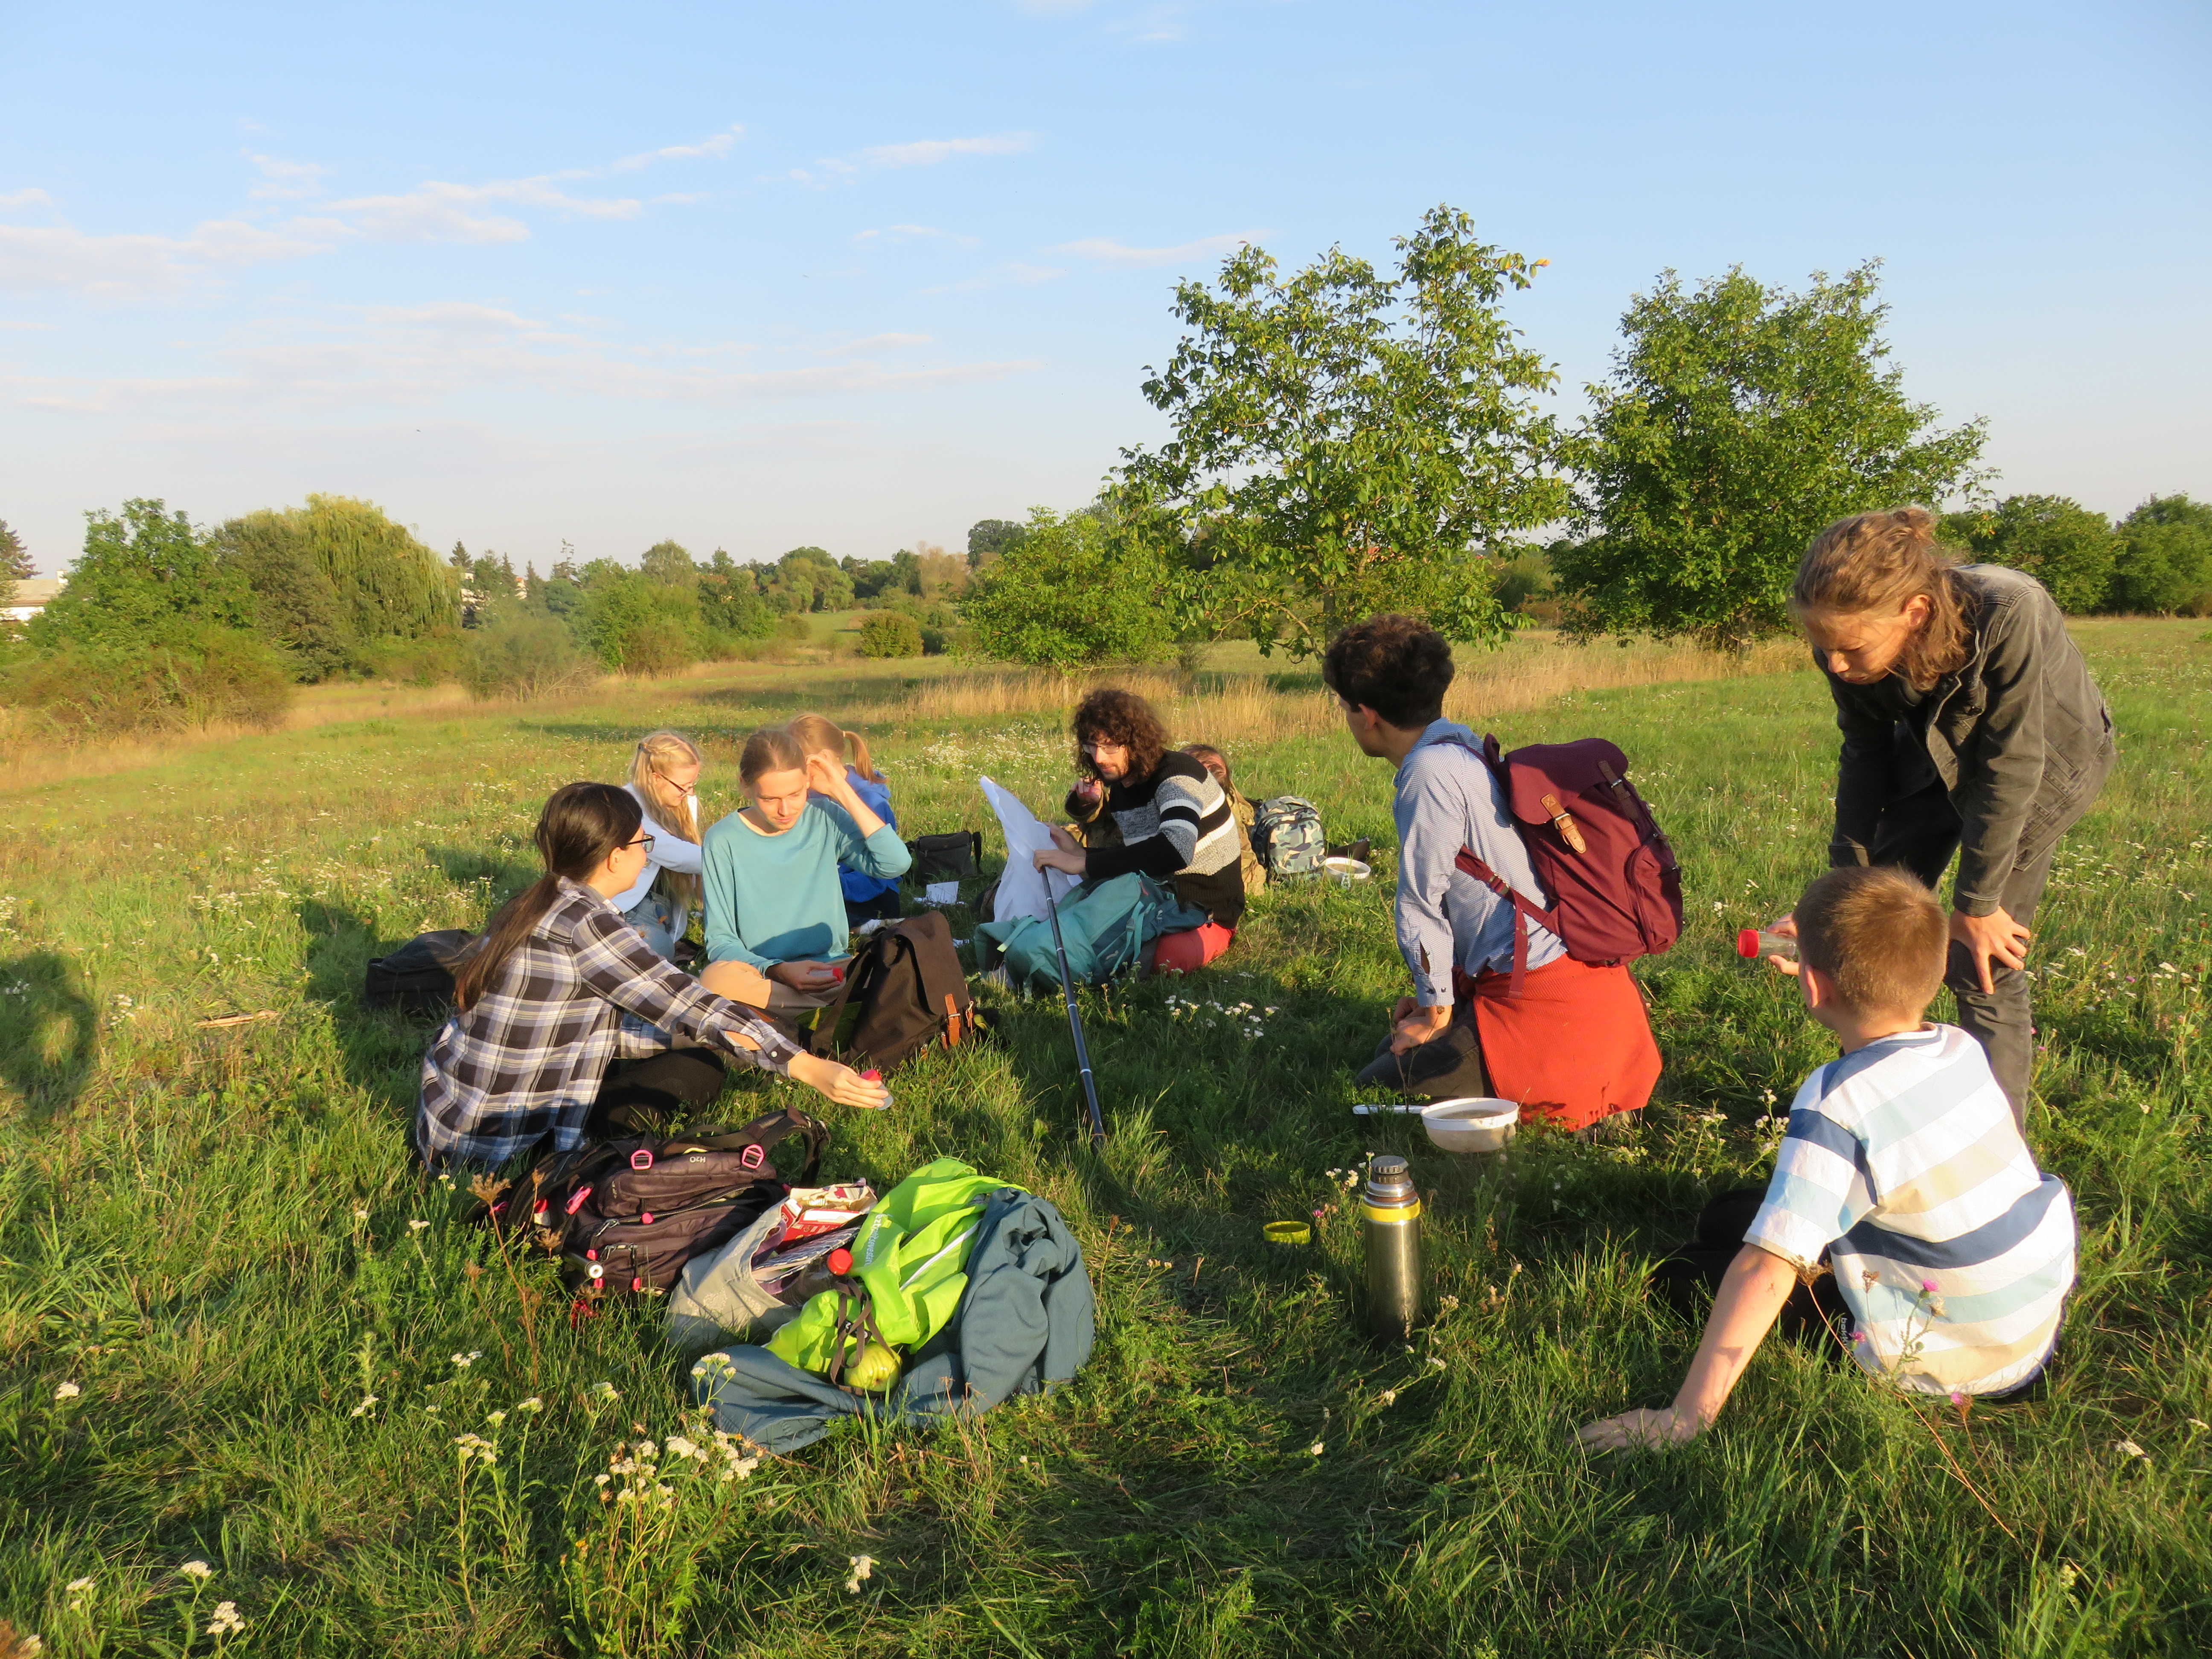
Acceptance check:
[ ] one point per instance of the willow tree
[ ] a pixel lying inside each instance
(335, 576)
(1345, 442)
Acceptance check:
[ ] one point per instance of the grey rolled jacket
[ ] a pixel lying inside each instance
(2019, 734)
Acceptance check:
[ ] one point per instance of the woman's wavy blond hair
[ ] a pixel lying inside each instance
(1875, 564)
(671, 807)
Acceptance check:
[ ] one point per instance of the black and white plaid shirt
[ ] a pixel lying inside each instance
(582, 990)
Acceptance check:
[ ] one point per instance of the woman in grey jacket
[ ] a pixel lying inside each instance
(1971, 724)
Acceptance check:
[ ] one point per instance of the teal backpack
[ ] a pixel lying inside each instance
(1105, 924)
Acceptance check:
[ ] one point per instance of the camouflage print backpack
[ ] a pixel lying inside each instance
(1287, 836)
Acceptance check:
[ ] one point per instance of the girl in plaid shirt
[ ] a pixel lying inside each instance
(560, 985)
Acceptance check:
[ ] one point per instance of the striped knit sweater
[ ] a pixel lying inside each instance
(1176, 826)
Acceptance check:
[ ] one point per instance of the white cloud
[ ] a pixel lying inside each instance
(998, 276)
(913, 234)
(927, 152)
(284, 181)
(877, 342)
(1105, 251)
(24, 199)
(421, 356)
(37, 256)
(712, 148)
(437, 211)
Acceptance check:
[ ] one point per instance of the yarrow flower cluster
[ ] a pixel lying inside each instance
(475, 1446)
(864, 1568)
(226, 1621)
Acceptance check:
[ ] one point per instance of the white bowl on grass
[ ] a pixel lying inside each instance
(1472, 1123)
(1346, 870)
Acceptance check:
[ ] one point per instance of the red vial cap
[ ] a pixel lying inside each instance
(840, 1261)
(837, 972)
(1746, 942)
(872, 1075)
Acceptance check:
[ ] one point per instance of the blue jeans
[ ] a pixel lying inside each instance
(653, 916)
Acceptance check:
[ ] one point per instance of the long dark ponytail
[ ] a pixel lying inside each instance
(582, 823)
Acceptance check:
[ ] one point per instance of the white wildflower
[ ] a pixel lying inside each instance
(1388, 1397)
(197, 1569)
(1316, 1449)
(2129, 1449)
(66, 1391)
(1437, 1362)
(360, 1213)
(362, 1410)
(465, 1361)
(226, 1621)
(532, 1404)
(603, 1391)
(416, 1226)
(864, 1567)
(495, 1418)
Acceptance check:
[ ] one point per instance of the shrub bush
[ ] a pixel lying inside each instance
(435, 660)
(889, 634)
(524, 656)
(199, 677)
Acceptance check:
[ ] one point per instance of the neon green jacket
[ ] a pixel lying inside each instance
(912, 1253)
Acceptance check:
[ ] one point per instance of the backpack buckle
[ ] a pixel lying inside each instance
(642, 1158)
(752, 1157)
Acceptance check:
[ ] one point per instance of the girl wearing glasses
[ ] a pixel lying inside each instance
(866, 897)
(563, 1014)
(663, 778)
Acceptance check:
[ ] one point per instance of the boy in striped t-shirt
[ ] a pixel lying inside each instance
(1902, 1171)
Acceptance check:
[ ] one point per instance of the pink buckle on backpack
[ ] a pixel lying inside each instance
(576, 1199)
(752, 1158)
(641, 1159)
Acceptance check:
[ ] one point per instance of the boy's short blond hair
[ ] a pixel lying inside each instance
(1878, 934)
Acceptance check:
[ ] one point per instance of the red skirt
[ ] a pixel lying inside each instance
(1574, 1047)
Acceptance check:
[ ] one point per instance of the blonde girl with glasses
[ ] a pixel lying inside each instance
(664, 779)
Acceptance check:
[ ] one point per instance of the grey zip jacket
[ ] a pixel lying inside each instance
(2021, 721)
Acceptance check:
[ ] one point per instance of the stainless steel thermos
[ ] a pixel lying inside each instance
(1391, 1229)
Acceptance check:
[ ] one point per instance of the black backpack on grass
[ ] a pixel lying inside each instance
(418, 977)
(625, 1216)
(908, 988)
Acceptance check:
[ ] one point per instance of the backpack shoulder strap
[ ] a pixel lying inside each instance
(1525, 911)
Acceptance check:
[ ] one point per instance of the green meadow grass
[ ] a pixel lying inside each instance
(216, 1237)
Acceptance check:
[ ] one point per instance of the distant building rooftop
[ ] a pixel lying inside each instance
(32, 595)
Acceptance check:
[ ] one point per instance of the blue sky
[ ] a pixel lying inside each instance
(858, 275)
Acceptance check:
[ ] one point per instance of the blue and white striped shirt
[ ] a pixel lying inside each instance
(1903, 1165)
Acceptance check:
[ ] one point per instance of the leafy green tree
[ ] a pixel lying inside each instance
(2165, 564)
(1739, 420)
(992, 538)
(14, 563)
(2069, 548)
(669, 564)
(807, 578)
(873, 578)
(1075, 592)
(296, 603)
(390, 584)
(146, 576)
(632, 622)
(1345, 442)
(730, 602)
(889, 634)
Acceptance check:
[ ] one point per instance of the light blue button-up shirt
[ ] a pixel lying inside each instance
(1447, 800)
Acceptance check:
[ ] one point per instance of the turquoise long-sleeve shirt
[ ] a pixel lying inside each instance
(775, 898)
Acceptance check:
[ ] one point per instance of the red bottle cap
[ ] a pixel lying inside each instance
(837, 972)
(1746, 942)
(840, 1261)
(872, 1075)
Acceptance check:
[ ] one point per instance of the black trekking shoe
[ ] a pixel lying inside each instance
(1448, 1068)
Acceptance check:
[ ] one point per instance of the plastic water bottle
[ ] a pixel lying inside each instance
(1755, 942)
(1391, 1229)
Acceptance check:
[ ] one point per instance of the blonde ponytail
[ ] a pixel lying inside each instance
(818, 734)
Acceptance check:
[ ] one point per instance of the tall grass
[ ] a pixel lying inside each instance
(211, 1236)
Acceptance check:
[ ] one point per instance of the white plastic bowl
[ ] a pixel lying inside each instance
(1346, 870)
(1471, 1124)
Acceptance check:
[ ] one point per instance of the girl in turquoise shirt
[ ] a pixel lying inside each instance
(773, 898)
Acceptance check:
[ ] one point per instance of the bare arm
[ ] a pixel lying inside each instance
(1752, 1291)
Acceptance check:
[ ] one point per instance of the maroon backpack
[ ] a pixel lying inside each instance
(1615, 886)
